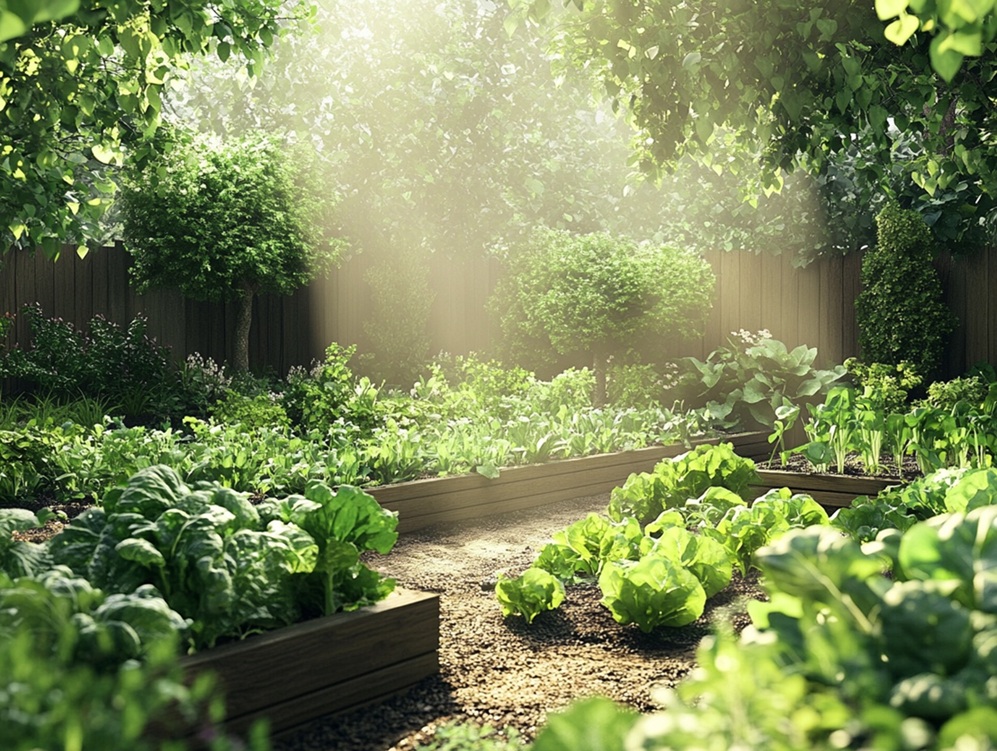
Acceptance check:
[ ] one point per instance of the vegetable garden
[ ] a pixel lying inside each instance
(771, 551)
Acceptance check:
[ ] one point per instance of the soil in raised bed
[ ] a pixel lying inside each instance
(853, 468)
(502, 672)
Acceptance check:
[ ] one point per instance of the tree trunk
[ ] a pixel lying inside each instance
(243, 322)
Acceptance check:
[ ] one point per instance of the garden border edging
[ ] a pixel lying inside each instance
(421, 503)
(325, 665)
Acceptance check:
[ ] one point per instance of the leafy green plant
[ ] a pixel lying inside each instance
(752, 377)
(529, 594)
(885, 386)
(231, 567)
(595, 296)
(19, 557)
(344, 524)
(655, 591)
(251, 207)
(745, 529)
(582, 549)
(120, 365)
(900, 311)
(674, 481)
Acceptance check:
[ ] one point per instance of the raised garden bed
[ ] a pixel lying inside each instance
(831, 491)
(326, 665)
(421, 503)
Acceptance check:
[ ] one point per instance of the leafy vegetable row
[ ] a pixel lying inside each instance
(227, 566)
(662, 572)
(888, 645)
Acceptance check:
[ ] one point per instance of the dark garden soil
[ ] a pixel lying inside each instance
(502, 672)
(853, 468)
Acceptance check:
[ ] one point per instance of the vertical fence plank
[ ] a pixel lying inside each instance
(813, 305)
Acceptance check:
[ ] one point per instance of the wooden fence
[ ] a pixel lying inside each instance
(813, 306)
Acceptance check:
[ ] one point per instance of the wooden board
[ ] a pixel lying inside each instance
(326, 665)
(832, 491)
(424, 502)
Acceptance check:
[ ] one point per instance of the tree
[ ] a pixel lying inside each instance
(79, 88)
(900, 312)
(599, 295)
(795, 85)
(226, 221)
(959, 29)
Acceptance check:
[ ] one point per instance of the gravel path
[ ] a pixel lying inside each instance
(502, 672)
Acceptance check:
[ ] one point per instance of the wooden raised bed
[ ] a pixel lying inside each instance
(830, 491)
(421, 503)
(326, 665)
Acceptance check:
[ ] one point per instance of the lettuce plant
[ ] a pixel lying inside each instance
(674, 481)
(530, 594)
(231, 567)
(655, 591)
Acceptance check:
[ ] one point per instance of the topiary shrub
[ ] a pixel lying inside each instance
(595, 297)
(900, 311)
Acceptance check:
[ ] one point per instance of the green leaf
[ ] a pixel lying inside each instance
(944, 60)
(886, 9)
(530, 594)
(594, 724)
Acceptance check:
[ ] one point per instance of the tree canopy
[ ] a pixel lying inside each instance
(795, 85)
(597, 296)
(225, 220)
(81, 82)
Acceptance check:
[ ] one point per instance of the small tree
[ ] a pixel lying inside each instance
(901, 313)
(600, 295)
(227, 221)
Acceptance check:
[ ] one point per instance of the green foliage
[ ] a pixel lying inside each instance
(331, 393)
(746, 382)
(121, 365)
(900, 311)
(592, 724)
(225, 221)
(19, 557)
(674, 481)
(343, 524)
(580, 550)
(529, 594)
(885, 386)
(60, 703)
(804, 86)
(945, 395)
(968, 31)
(256, 411)
(231, 567)
(81, 85)
(745, 529)
(655, 591)
(593, 296)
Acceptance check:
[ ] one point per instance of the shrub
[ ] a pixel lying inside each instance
(885, 386)
(900, 311)
(745, 382)
(591, 297)
(121, 365)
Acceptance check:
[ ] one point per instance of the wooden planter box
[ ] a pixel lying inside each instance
(326, 665)
(421, 503)
(830, 491)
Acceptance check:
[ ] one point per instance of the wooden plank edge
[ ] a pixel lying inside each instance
(363, 690)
